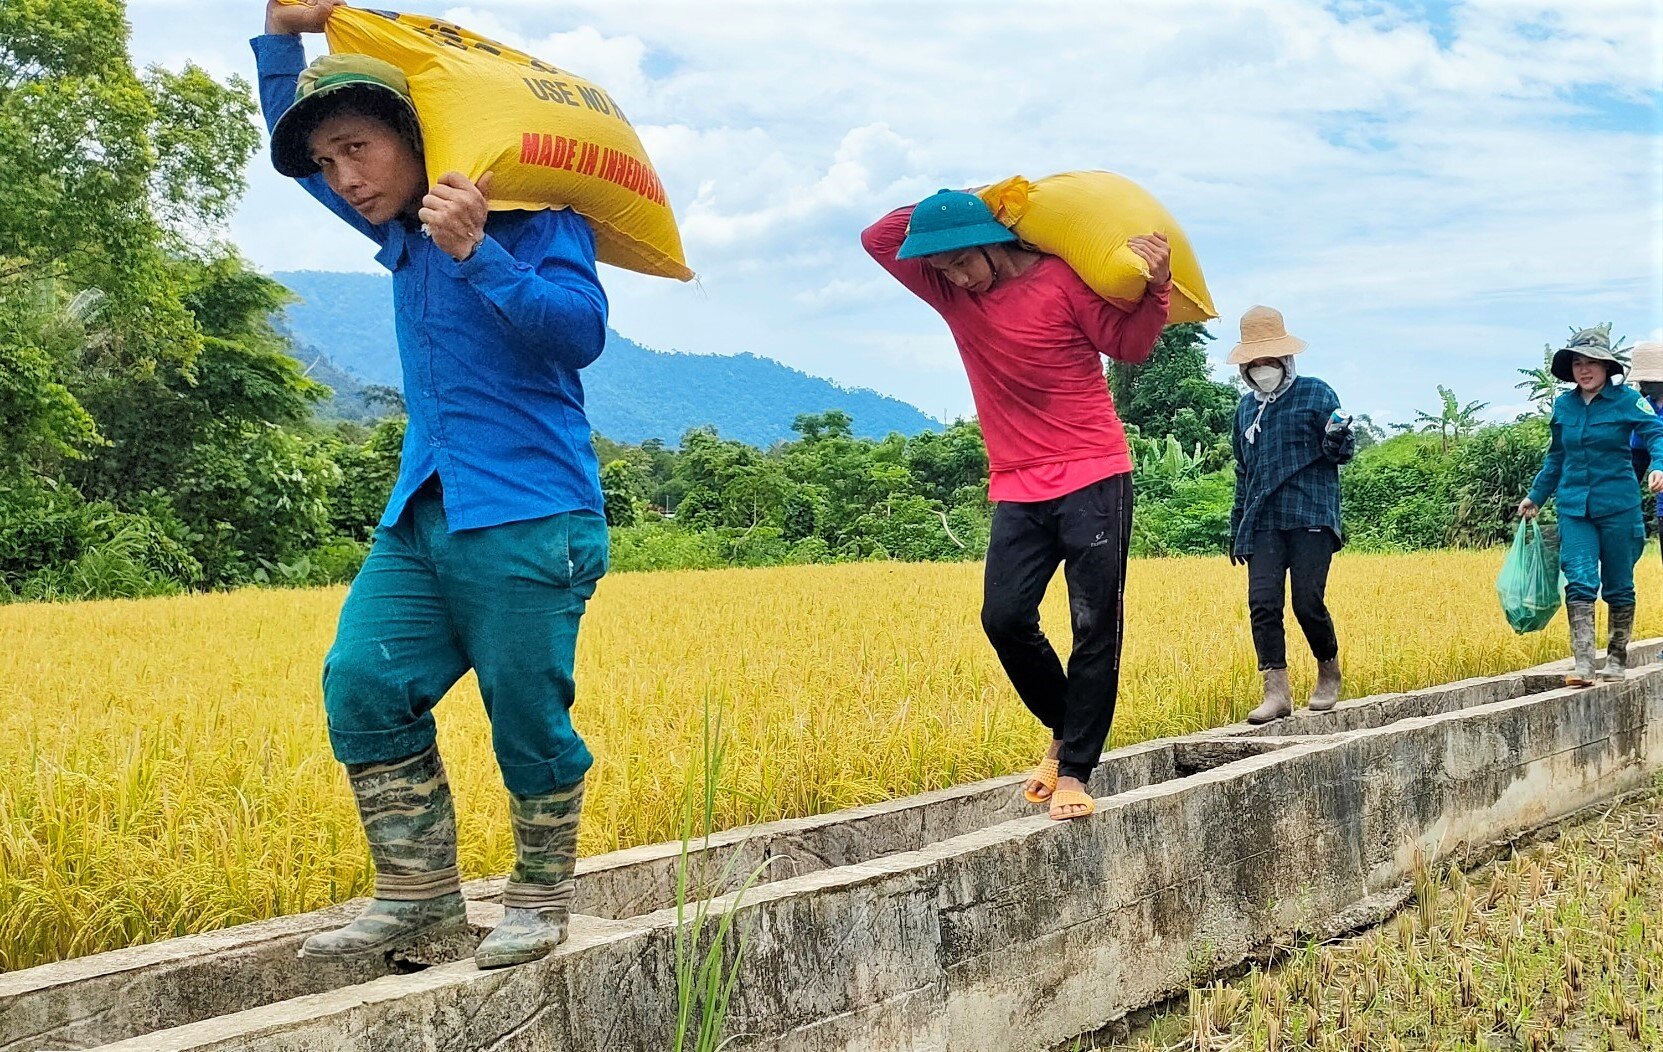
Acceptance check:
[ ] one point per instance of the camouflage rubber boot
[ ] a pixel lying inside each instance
(1278, 698)
(1581, 617)
(537, 902)
(411, 825)
(1616, 648)
(1327, 692)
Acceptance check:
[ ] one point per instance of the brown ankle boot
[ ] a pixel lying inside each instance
(1278, 698)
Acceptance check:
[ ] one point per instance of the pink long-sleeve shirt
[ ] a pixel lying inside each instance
(1031, 347)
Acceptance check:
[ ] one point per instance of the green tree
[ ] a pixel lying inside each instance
(1489, 473)
(42, 333)
(254, 495)
(727, 483)
(139, 376)
(624, 489)
(110, 175)
(950, 465)
(1367, 431)
(851, 476)
(54, 545)
(1173, 394)
(1540, 385)
(368, 471)
(241, 382)
(1452, 422)
(1192, 519)
(833, 423)
(1396, 495)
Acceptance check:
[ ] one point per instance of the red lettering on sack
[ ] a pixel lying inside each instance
(544, 150)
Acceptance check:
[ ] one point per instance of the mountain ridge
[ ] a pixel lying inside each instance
(632, 392)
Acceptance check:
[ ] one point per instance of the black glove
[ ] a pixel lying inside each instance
(1237, 560)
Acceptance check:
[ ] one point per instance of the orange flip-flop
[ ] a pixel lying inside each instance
(1046, 775)
(1063, 798)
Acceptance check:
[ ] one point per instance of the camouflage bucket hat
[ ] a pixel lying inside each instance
(1592, 343)
(291, 154)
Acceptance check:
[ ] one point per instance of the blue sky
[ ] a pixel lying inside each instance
(1429, 192)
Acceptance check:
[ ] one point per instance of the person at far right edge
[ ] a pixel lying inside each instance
(1588, 470)
(1290, 439)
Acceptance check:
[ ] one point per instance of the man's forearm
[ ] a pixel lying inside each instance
(1140, 329)
(561, 314)
(279, 59)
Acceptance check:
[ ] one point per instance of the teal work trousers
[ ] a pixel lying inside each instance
(1598, 556)
(429, 605)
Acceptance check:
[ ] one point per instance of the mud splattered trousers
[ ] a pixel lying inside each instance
(1089, 532)
(1598, 556)
(428, 605)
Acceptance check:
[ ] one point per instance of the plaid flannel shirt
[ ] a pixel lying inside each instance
(1289, 478)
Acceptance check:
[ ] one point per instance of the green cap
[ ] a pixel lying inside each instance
(291, 154)
(949, 220)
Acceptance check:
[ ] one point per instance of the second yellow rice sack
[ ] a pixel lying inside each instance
(1087, 218)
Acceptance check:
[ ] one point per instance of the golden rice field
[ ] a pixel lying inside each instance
(164, 767)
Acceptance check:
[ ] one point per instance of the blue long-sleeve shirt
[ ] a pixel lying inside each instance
(1588, 468)
(490, 349)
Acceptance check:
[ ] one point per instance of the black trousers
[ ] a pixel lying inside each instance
(1088, 532)
(1304, 556)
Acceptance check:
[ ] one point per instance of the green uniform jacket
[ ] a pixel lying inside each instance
(1588, 467)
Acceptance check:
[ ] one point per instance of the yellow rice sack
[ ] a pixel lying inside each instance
(550, 138)
(1087, 218)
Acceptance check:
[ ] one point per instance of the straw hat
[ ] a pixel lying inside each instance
(1263, 335)
(1645, 363)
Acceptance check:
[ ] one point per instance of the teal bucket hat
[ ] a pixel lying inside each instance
(950, 220)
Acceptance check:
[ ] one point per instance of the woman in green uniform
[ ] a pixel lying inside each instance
(1589, 471)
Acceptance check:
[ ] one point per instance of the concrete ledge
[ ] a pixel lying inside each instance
(954, 920)
(89, 1001)
(126, 993)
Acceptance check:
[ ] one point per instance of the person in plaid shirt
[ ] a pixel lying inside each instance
(1290, 440)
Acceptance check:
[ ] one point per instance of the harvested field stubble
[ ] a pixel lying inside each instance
(1559, 946)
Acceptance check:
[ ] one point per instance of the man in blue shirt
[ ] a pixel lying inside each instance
(494, 538)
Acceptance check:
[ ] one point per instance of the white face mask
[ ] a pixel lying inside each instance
(1266, 378)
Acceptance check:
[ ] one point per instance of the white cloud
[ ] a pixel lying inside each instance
(1431, 199)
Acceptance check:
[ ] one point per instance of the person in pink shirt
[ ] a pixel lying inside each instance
(1031, 334)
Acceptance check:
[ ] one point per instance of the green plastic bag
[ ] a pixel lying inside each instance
(1529, 581)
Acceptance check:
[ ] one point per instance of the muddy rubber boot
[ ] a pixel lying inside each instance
(1616, 648)
(1278, 698)
(410, 821)
(1327, 692)
(537, 902)
(1581, 617)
